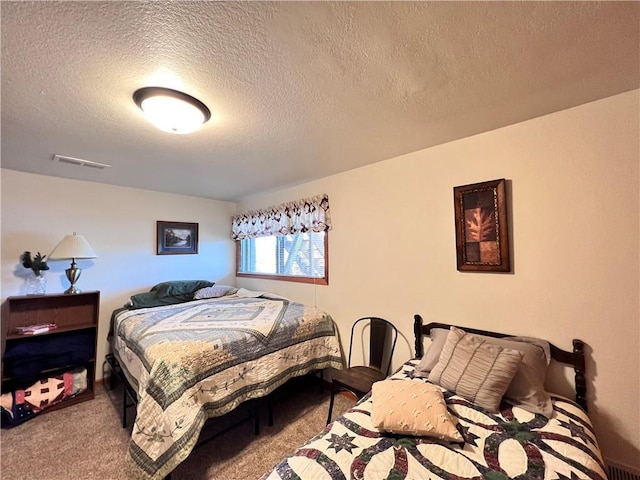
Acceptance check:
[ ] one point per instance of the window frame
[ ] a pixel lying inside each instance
(288, 278)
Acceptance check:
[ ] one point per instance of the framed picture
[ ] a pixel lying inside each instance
(482, 233)
(176, 238)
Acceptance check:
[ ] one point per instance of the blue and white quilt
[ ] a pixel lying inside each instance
(200, 359)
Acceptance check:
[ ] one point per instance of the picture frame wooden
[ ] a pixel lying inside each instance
(482, 231)
(176, 238)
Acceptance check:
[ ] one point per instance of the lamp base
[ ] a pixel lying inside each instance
(73, 274)
(72, 289)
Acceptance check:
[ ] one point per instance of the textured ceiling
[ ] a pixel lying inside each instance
(298, 90)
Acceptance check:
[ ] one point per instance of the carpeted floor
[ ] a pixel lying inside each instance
(87, 442)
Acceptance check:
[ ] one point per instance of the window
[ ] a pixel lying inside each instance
(301, 257)
(284, 242)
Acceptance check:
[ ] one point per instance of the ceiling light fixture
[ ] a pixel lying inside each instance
(170, 110)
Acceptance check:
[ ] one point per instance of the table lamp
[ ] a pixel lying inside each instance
(72, 247)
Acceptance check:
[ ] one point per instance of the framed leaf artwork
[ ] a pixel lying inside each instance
(482, 233)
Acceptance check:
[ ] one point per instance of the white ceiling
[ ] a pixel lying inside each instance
(298, 90)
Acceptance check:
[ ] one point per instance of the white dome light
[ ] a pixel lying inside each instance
(170, 110)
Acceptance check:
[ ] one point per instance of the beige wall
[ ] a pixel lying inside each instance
(573, 181)
(120, 225)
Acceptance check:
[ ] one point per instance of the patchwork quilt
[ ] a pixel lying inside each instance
(20, 405)
(201, 359)
(510, 444)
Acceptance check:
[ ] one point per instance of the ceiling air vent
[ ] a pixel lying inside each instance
(79, 162)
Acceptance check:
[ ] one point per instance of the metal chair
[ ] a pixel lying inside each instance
(360, 379)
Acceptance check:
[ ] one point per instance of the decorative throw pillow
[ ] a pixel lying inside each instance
(412, 407)
(214, 292)
(429, 360)
(526, 390)
(475, 369)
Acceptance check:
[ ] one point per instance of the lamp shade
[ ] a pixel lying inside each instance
(72, 246)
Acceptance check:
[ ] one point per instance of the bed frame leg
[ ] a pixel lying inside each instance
(256, 422)
(127, 390)
(270, 409)
(580, 380)
(124, 407)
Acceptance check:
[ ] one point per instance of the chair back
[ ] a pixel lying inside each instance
(382, 332)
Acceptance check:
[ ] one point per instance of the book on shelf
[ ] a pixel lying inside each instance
(36, 329)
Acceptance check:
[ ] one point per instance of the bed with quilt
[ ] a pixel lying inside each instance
(473, 407)
(193, 355)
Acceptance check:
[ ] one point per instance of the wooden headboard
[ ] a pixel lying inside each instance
(575, 358)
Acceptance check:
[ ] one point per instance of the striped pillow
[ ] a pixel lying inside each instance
(474, 369)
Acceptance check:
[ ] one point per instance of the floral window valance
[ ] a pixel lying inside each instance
(306, 215)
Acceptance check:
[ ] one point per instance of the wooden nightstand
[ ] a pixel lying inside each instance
(76, 319)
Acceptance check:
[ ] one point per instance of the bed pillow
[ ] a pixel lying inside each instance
(412, 407)
(214, 291)
(143, 300)
(475, 369)
(429, 360)
(243, 292)
(168, 293)
(526, 390)
(180, 288)
(151, 299)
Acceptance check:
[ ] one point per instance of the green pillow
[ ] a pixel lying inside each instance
(150, 299)
(169, 293)
(180, 288)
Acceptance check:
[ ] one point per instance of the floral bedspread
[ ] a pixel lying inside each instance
(512, 444)
(201, 359)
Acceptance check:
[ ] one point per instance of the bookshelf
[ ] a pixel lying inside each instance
(75, 317)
